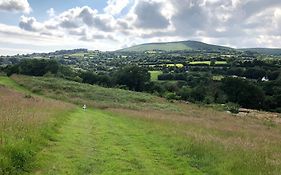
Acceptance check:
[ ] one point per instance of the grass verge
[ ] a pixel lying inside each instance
(27, 124)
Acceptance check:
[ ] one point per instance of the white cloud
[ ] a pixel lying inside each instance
(20, 41)
(115, 7)
(15, 6)
(51, 12)
(149, 15)
(30, 24)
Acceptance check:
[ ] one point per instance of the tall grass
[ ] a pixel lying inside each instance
(216, 142)
(26, 124)
(93, 95)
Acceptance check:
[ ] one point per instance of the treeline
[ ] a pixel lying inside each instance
(33, 67)
(194, 87)
(130, 77)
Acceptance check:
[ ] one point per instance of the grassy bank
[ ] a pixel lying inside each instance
(27, 123)
(93, 95)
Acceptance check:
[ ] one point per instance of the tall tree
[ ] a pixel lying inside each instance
(243, 92)
(134, 77)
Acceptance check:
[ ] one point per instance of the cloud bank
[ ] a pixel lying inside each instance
(15, 6)
(237, 23)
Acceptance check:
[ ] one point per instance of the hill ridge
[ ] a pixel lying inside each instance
(184, 45)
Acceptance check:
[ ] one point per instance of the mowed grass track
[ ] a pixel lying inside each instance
(99, 142)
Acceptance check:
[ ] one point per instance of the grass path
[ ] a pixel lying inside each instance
(8, 82)
(98, 142)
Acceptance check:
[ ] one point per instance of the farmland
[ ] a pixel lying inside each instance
(154, 75)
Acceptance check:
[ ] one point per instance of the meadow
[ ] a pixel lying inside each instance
(93, 95)
(154, 75)
(27, 123)
(126, 132)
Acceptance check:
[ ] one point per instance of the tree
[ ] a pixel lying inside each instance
(34, 67)
(255, 73)
(198, 93)
(273, 75)
(236, 71)
(134, 77)
(89, 77)
(243, 92)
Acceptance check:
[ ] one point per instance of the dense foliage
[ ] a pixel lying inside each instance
(34, 67)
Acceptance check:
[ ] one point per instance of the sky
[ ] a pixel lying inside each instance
(28, 26)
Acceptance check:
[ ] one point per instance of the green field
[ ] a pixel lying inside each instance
(154, 75)
(78, 55)
(217, 77)
(124, 132)
(174, 65)
(174, 46)
(207, 62)
(159, 46)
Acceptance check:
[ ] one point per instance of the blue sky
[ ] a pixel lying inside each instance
(39, 8)
(41, 26)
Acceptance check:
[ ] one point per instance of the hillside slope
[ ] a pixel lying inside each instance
(176, 46)
(266, 51)
(138, 133)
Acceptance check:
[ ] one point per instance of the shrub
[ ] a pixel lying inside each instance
(36, 90)
(27, 96)
(232, 107)
(171, 96)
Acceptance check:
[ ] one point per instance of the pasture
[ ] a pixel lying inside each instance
(174, 65)
(154, 75)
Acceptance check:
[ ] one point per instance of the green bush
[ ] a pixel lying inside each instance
(36, 90)
(232, 107)
(171, 96)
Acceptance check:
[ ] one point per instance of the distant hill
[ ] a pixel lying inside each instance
(266, 51)
(176, 46)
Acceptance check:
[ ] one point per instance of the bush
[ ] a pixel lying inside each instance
(27, 96)
(36, 90)
(232, 107)
(171, 96)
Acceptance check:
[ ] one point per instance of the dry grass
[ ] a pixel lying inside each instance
(23, 118)
(92, 95)
(249, 137)
(21, 113)
(221, 124)
(216, 142)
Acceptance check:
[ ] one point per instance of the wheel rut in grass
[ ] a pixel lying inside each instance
(99, 142)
